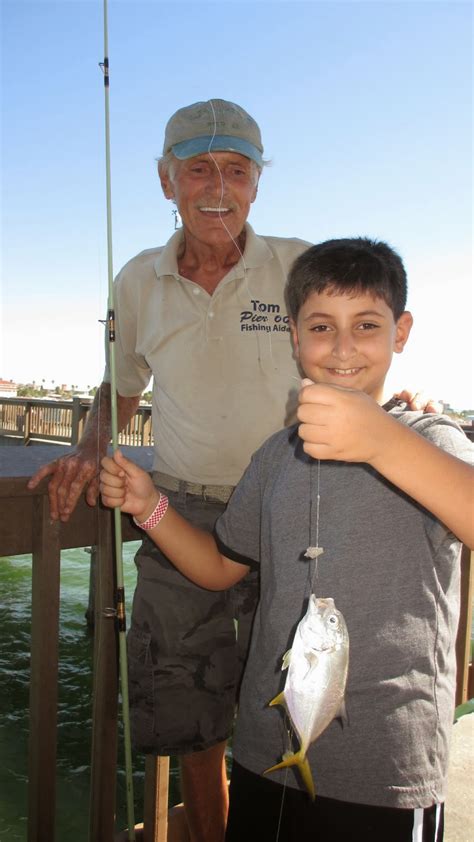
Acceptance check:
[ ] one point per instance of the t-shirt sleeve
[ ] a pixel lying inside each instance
(445, 433)
(442, 431)
(237, 531)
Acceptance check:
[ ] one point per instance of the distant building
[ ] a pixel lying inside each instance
(8, 389)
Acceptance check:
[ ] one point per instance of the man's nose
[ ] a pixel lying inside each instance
(216, 177)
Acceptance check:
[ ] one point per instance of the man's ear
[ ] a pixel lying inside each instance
(403, 328)
(166, 183)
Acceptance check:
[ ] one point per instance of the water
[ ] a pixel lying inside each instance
(74, 705)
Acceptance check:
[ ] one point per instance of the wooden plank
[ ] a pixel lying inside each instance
(20, 461)
(155, 813)
(16, 525)
(463, 641)
(44, 675)
(105, 691)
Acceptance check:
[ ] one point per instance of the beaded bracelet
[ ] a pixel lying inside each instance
(158, 512)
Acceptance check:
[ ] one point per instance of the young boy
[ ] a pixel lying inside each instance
(392, 492)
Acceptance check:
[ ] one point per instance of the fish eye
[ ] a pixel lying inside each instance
(332, 619)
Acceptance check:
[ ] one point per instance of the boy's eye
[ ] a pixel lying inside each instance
(320, 328)
(368, 326)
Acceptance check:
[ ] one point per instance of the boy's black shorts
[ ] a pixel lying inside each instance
(263, 811)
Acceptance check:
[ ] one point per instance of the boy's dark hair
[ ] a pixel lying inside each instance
(348, 266)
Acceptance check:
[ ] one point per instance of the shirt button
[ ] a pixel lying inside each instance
(211, 315)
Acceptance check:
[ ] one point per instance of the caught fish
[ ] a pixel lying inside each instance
(314, 689)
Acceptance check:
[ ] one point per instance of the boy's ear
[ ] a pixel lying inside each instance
(403, 328)
(294, 338)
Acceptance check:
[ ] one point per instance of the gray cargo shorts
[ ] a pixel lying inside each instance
(185, 657)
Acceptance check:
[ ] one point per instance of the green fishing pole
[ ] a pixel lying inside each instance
(120, 606)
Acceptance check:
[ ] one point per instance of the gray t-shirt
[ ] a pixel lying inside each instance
(393, 572)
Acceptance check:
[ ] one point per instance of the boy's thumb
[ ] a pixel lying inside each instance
(128, 467)
(120, 459)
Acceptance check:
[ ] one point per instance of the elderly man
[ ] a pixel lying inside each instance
(205, 317)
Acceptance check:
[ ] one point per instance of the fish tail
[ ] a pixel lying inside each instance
(278, 700)
(301, 761)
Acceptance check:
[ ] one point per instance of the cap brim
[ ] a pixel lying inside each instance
(218, 143)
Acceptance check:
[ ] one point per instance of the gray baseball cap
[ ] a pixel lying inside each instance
(213, 126)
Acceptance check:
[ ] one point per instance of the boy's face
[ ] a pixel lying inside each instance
(348, 341)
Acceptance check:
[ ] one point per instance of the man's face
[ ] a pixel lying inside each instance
(213, 194)
(348, 341)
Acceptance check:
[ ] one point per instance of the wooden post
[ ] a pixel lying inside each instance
(90, 610)
(155, 818)
(105, 690)
(83, 413)
(27, 423)
(44, 674)
(75, 420)
(463, 641)
(147, 429)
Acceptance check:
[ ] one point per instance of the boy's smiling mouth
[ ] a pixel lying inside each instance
(344, 372)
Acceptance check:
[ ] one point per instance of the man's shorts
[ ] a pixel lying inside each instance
(185, 664)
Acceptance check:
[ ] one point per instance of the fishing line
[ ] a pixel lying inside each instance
(281, 807)
(251, 296)
(314, 550)
(220, 207)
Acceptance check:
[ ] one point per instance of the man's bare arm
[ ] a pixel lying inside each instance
(79, 468)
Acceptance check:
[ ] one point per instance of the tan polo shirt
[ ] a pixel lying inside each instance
(224, 376)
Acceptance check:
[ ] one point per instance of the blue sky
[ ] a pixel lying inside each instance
(366, 114)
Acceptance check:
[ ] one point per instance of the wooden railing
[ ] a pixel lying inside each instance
(32, 420)
(25, 527)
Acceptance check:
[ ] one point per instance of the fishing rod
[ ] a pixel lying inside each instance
(120, 601)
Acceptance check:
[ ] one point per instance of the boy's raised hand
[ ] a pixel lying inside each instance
(123, 484)
(339, 423)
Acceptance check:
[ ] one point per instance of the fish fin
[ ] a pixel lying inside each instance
(312, 661)
(286, 660)
(278, 700)
(301, 761)
(342, 714)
